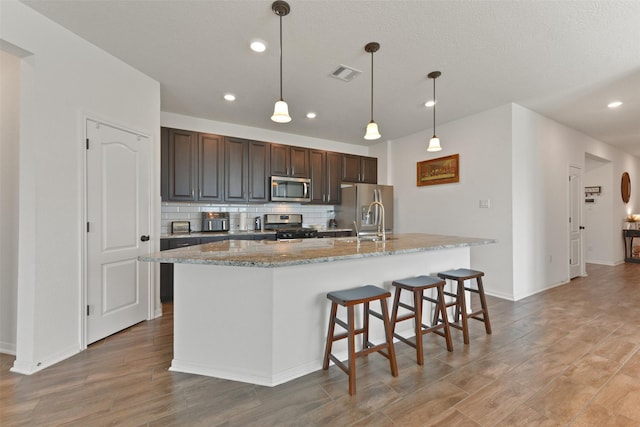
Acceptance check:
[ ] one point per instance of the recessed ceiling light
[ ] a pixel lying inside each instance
(430, 103)
(614, 104)
(229, 97)
(311, 115)
(258, 45)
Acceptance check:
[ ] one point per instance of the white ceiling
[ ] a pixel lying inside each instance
(563, 59)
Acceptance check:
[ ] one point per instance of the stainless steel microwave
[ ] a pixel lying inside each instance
(287, 189)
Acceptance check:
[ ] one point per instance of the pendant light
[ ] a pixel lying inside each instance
(434, 143)
(372, 127)
(281, 109)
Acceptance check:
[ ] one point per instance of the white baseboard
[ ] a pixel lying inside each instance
(8, 348)
(601, 262)
(28, 368)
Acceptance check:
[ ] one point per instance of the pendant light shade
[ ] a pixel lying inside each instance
(281, 112)
(372, 131)
(372, 128)
(281, 109)
(434, 142)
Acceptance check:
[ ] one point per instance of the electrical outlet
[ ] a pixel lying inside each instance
(485, 203)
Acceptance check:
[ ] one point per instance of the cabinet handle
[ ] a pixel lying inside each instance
(144, 238)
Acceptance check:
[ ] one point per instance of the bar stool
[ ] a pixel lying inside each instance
(350, 298)
(417, 286)
(460, 275)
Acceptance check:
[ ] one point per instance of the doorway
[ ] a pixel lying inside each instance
(117, 285)
(576, 258)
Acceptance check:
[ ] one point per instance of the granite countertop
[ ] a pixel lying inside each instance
(265, 253)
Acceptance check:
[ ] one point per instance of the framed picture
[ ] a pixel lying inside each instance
(442, 170)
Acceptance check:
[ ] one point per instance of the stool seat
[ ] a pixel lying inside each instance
(358, 295)
(417, 286)
(460, 274)
(419, 282)
(459, 300)
(349, 298)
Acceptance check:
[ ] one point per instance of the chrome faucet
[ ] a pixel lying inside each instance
(381, 231)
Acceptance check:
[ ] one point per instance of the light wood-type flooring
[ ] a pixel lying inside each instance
(567, 356)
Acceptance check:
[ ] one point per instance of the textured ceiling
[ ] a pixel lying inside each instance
(563, 59)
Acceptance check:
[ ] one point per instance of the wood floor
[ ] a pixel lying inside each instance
(568, 356)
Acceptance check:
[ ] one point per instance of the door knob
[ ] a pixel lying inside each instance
(144, 238)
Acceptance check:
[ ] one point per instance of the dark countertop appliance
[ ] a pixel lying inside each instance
(288, 226)
(215, 221)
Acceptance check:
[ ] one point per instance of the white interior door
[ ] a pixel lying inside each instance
(575, 222)
(118, 195)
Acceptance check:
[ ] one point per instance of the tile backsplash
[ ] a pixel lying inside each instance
(312, 215)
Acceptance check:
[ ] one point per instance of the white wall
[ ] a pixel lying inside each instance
(519, 160)
(64, 80)
(9, 191)
(483, 142)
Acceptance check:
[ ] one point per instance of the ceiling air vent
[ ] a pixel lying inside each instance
(345, 73)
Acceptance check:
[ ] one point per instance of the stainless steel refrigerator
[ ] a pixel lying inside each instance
(356, 199)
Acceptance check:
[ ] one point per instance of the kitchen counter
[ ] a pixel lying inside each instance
(257, 312)
(269, 254)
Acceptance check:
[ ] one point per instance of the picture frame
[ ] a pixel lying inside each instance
(443, 170)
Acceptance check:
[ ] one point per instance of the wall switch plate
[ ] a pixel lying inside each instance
(485, 203)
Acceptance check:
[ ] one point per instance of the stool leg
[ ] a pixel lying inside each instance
(387, 329)
(417, 306)
(332, 326)
(352, 350)
(394, 312)
(483, 303)
(462, 309)
(442, 308)
(365, 326)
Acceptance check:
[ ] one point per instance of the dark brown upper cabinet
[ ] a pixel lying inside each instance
(210, 167)
(359, 169)
(246, 170)
(179, 164)
(325, 170)
(192, 166)
(287, 160)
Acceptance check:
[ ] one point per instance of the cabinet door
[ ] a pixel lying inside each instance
(299, 162)
(317, 175)
(210, 167)
(181, 163)
(258, 171)
(369, 170)
(333, 172)
(350, 168)
(279, 160)
(235, 153)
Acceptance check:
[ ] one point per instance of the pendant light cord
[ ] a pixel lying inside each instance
(371, 86)
(434, 107)
(280, 57)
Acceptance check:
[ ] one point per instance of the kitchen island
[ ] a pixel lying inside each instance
(256, 311)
